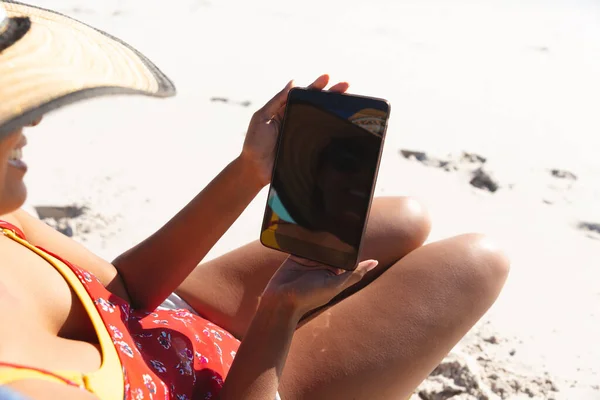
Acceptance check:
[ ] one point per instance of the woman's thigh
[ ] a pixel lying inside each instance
(226, 290)
(383, 341)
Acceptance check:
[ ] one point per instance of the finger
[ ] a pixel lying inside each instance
(365, 266)
(319, 83)
(276, 103)
(350, 278)
(340, 87)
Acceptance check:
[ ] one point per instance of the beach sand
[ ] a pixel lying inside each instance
(514, 82)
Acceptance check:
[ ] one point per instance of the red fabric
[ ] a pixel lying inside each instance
(165, 354)
(11, 227)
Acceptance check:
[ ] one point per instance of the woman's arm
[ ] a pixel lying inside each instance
(153, 269)
(259, 362)
(297, 287)
(156, 267)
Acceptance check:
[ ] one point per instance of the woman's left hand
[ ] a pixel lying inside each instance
(305, 285)
(261, 138)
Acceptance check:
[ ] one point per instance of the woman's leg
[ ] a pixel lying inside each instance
(226, 290)
(383, 341)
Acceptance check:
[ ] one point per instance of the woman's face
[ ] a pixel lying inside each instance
(12, 170)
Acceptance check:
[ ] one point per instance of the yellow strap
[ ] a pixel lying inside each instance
(12, 374)
(107, 383)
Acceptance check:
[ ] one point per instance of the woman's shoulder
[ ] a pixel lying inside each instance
(11, 219)
(38, 233)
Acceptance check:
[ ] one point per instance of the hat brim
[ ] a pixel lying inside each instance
(59, 61)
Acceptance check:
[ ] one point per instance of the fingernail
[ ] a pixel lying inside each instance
(372, 264)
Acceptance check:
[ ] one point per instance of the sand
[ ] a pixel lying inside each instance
(513, 82)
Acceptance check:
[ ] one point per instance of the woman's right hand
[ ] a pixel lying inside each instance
(305, 285)
(261, 139)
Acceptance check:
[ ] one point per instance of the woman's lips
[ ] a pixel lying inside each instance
(19, 164)
(16, 155)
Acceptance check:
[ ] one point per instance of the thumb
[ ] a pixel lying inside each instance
(350, 278)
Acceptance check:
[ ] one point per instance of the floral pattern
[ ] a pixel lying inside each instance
(165, 340)
(158, 366)
(137, 394)
(116, 333)
(185, 365)
(105, 305)
(180, 346)
(125, 348)
(150, 385)
(216, 335)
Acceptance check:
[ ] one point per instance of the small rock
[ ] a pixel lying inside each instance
(472, 158)
(439, 388)
(65, 227)
(516, 385)
(219, 99)
(512, 352)
(83, 228)
(464, 371)
(491, 339)
(501, 388)
(429, 161)
(411, 154)
(244, 103)
(62, 225)
(529, 391)
(589, 226)
(58, 212)
(563, 174)
(550, 383)
(450, 166)
(484, 180)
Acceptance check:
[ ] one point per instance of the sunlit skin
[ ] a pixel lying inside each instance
(13, 192)
(379, 331)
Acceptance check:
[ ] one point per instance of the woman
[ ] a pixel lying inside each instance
(89, 329)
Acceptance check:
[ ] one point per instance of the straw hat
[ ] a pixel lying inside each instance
(309, 132)
(48, 60)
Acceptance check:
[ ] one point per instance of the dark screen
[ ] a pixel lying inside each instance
(324, 175)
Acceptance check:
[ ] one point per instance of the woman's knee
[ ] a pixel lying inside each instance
(480, 265)
(400, 222)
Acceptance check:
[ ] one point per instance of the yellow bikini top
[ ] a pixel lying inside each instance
(107, 382)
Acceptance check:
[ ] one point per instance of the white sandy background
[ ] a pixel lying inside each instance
(514, 81)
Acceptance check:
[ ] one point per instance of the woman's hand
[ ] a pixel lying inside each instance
(297, 287)
(305, 285)
(261, 139)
